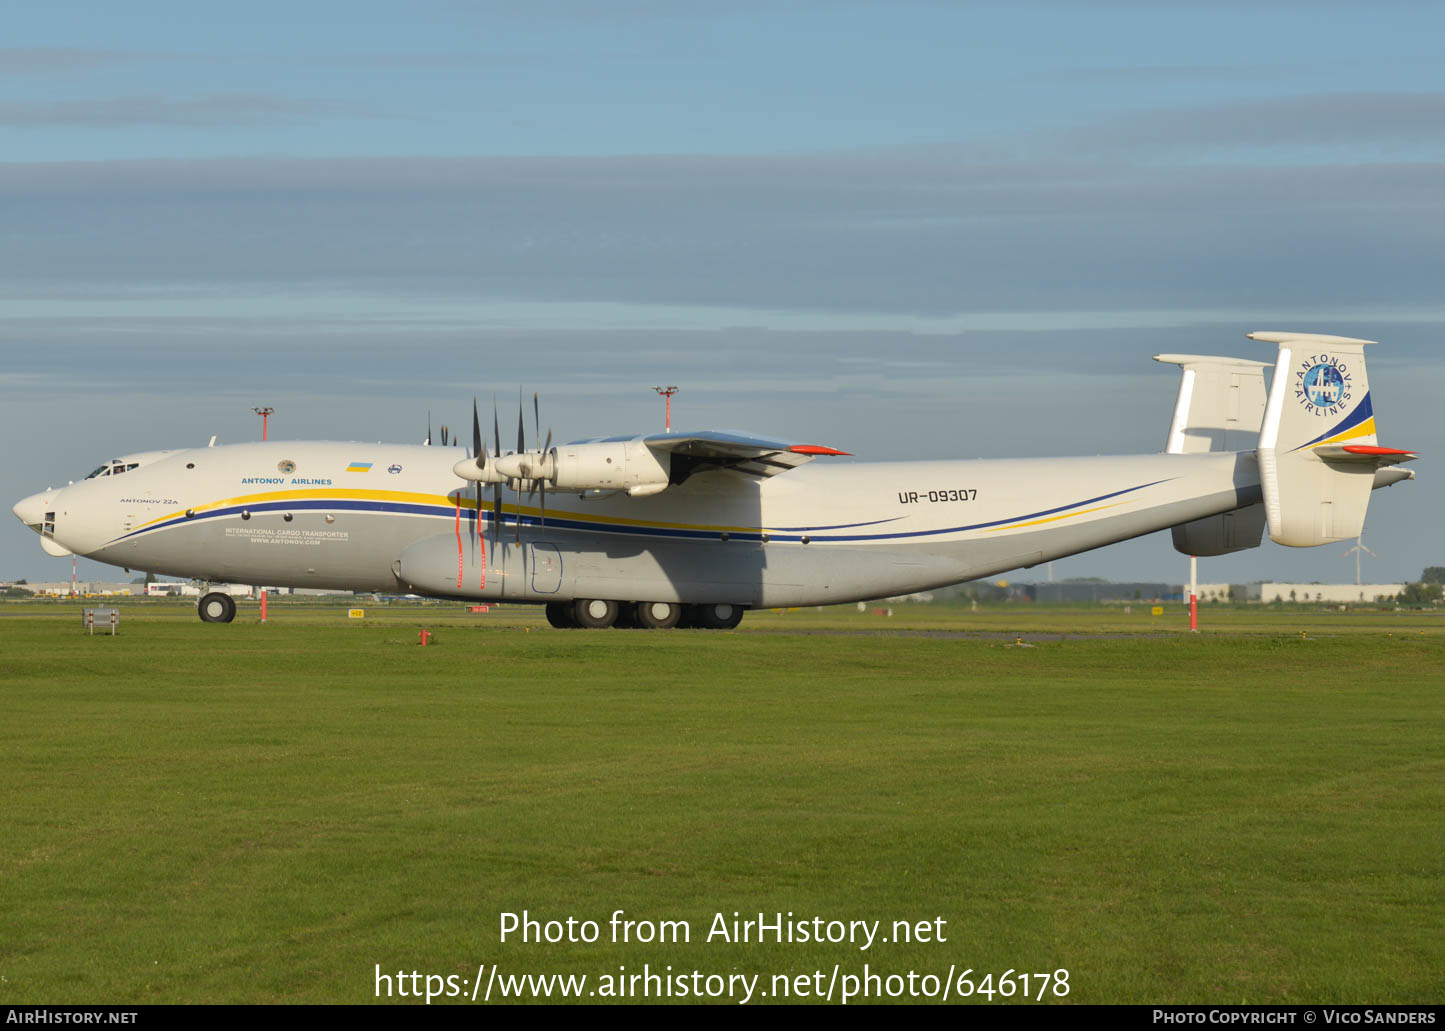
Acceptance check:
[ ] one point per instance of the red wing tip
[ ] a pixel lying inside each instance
(1370, 449)
(817, 449)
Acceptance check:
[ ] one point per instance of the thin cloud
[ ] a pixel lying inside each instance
(56, 60)
(129, 112)
(901, 234)
(1353, 121)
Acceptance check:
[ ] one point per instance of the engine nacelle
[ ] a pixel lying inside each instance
(623, 465)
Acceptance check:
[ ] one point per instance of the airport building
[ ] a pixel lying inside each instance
(63, 588)
(1340, 593)
(1083, 592)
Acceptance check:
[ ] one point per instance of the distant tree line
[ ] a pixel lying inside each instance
(1427, 590)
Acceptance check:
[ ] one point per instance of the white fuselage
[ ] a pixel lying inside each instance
(395, 517)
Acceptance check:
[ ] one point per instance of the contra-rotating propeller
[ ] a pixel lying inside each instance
(522, 470)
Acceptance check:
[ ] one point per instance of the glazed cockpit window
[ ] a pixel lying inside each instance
(113, 468)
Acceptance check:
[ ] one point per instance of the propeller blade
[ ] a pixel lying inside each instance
(479, 455)
(545, 450)
(496, 488)
(428, 427)
(536, 436)
(496, 516)
(521, 446)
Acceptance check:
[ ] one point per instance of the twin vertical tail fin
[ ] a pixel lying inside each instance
(1219, 408)
(1317, 446)
(1220, 404)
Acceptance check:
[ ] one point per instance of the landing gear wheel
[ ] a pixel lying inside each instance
(594, 613)
(216, 608)
(658, 615)
(559, 614)
(716, 617)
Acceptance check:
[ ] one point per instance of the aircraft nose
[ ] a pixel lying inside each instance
(31, 510)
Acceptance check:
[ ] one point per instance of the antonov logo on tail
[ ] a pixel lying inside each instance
(1324, 385)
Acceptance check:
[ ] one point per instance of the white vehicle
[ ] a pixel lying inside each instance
(695, 528)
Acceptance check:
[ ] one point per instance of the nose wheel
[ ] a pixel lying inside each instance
(216, 608)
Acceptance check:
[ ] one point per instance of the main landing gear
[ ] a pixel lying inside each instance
(596, 613)
(216, 608)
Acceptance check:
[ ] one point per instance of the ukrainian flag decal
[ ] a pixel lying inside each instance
(359, 467)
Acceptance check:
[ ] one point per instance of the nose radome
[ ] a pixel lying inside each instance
(31, 510)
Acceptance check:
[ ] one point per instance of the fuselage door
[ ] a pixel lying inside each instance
(546, 563)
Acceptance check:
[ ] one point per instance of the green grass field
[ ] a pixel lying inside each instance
(248, 813)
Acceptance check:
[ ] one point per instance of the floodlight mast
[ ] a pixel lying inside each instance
(264, 413)
(667, 392)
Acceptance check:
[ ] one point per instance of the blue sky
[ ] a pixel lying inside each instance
(905, 229)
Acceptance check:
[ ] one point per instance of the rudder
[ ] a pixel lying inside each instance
(1317, 441)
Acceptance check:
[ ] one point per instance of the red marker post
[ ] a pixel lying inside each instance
(1193, 595)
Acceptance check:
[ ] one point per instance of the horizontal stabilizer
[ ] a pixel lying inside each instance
(1377, 456)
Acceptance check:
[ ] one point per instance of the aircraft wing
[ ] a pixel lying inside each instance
(740, 452)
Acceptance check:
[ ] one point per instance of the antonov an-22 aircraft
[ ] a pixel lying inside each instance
(693, 529)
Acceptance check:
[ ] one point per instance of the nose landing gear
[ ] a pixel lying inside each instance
(216, 608)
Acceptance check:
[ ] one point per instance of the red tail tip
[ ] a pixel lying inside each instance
(1370, 449)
